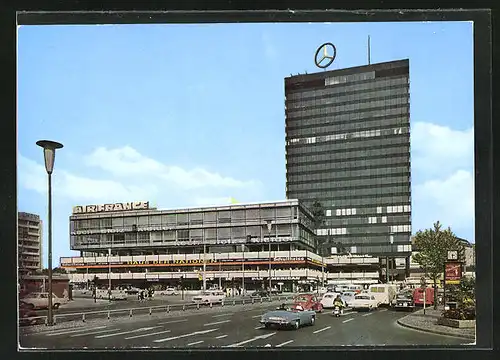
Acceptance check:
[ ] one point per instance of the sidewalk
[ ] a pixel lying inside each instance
(428, 322)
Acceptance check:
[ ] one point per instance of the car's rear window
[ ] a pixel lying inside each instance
(302, 298)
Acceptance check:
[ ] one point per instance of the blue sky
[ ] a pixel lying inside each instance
(187, 115)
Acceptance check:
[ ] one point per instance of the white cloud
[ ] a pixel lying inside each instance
(450, 200)
(439, 150)
(126, 161)
(32, 176)
(215, 201)
(132, 176)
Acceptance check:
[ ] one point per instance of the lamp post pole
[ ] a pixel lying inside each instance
(204, 265)
(243, 271)
(49, 153)
(109, 274)
(391, 240)
(269, 226)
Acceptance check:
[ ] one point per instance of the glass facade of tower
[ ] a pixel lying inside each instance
(348, 147)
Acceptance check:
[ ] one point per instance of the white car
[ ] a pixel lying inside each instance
(364, 302)
(168, 291)
(115, 294)
(348, 297)
(40, 300)
(208, 297)
(328, 299)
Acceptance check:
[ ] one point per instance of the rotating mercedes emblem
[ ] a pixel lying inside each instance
(322, 58)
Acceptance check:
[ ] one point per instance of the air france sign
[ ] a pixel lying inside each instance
(135, 205)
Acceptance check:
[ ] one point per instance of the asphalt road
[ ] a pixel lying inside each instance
(236, 326)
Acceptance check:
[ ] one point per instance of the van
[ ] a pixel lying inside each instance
(418, 296)
(383, 293)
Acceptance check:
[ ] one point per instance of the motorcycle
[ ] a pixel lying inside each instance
(336, 311)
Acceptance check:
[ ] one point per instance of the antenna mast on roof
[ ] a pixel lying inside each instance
(368, 49)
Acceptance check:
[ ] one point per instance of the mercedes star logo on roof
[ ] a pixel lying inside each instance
(322, 59)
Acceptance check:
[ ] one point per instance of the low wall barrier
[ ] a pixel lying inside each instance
(145, 310)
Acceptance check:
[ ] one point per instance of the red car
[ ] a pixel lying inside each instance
(25, 315)
(307, 302)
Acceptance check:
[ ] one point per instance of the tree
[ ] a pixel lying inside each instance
(432, 246)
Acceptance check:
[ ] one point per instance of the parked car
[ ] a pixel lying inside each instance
(208, 297)
(288, 318)
(348, 297)
(168, 291)
(364, 302)
(40, 300)
(115, 294)
(132, 291)
(26, 315)
(307, 302)
(328, 299)
(404, 300)
(260, 293)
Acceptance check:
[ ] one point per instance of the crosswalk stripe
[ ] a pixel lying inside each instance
(150, 334)
(320, 330)
(93, 332)
(64, 332)
(286, 342)
(194, 343)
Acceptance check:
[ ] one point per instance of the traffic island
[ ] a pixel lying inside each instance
(431, 322)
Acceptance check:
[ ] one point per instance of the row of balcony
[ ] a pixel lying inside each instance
(191, 257)
(228, 275)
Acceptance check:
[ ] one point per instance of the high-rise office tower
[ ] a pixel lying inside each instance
(348, 148)
(29, 233)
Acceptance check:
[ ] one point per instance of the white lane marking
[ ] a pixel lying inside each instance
(320, 330)
(194, 343)
(172, 322)
(149, 334)
(228, 314)
(61, 332)
(186, 335)
(259, 327)
(218, 322)
(94, 332)
(383, 310)
(348, 320)
(347, 313)
(286, 342)
(220, 337)
(256, 316)
(252, 339)
(127, 332)
(367, 314)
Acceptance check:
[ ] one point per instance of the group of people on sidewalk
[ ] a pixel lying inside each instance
(144, 294)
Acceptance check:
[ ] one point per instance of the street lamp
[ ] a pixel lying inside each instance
(269, 226)
(49, 154)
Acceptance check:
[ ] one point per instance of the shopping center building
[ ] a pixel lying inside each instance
(135, 244)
